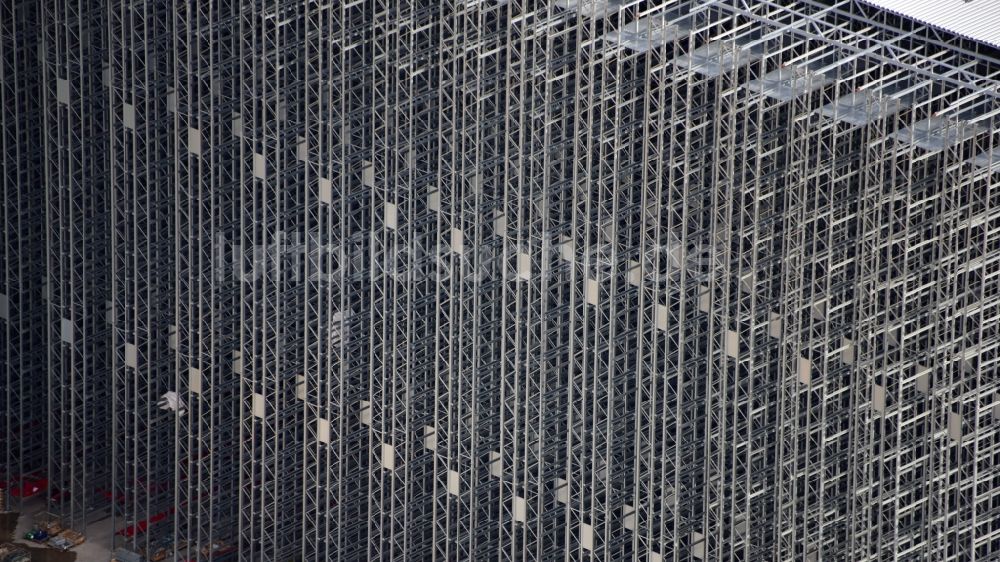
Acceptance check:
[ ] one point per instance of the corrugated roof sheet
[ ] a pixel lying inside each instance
(974, 19)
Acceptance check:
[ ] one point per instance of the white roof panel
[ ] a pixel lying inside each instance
(985, 159)
(789, 82)
(717, 57)
(937, 133)
(861, 108)
(645, 34)
(974, 19)
(592, 8)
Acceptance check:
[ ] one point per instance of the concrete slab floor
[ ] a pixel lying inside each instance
(99, 533)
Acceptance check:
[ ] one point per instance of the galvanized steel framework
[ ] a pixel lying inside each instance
(503, 279)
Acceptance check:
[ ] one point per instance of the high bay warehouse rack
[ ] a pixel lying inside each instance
(502, 279)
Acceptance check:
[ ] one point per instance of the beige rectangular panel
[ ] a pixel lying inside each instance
(500, 224)
(847, 352)
(388, 456)
(610, 231)
(520, 509)
(628, 517)
(524, 266)
(774, 326)
(128, 116)
(194, 380)
(325, 191)
(635, 274)
(661, 316)
(323, 430)
(805, 370)
(590, 291)
(878, 398)
(567, 249)
(561, 489)
(819, 310)
(62, 91)
(368, 175)
(66, 330)
(732, 344)
(430, 437)
(698, 545)
(365, 412)
(194, 141)
(389, 215)
(259, 405)
(955, 426)
(587, 536)
(302, 150)
(923, 379)
(704, 298)
(131, 356)
(893, 335)
(259, 166)
(496, 464)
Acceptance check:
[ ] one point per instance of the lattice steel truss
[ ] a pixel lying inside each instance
(76, 289)
(502, 279)
(22, 309)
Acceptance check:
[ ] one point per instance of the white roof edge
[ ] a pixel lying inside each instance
(973, 19)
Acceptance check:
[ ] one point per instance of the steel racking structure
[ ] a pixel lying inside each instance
(143, 175)
(74, 161)
(205, 196)
(503, 279)
(22, 312)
